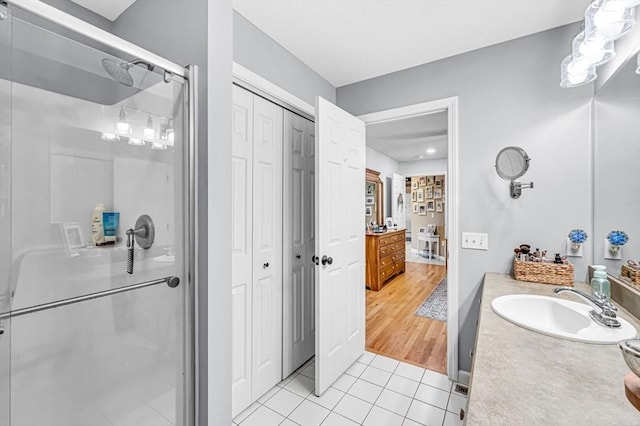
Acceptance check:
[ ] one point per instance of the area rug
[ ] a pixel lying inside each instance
(435, 306)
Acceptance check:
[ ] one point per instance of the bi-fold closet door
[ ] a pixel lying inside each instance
(257, 128)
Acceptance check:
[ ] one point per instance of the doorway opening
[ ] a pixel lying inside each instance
(414, 148)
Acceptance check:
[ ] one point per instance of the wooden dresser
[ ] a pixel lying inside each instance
(385, 257)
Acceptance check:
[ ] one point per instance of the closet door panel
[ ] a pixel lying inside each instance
(242, 247)
(267, 246)
(311, 237)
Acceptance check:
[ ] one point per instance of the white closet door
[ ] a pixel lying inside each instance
(267, 246)
(298, 341)
(242, 247)
(340, 287)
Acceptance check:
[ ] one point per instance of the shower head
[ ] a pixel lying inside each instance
(119, 71)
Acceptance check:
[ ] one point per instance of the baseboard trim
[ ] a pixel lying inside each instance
(464, 377)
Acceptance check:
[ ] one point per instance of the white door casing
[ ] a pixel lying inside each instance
(242, 247)
(298, 300)
(340, 287)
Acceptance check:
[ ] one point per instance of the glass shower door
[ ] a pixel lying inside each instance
(94, 279)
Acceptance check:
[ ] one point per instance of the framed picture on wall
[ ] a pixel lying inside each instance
(437, 193)
(414, 196)
(368, 211)
(422, 180)
(72, 236)
(438, 182)
(431, 206)
(430, 180)
(414, 184)
(370, 188)
(422, 210)
(415, 208)
(370, 200)
(420, 197)
(439, 206)
(429, 192)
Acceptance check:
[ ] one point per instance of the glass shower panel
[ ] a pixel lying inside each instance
(83, 136)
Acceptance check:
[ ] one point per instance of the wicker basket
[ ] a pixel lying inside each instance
(543, 273)
(631, 275)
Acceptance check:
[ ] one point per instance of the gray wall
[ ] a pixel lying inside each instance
(508, 94)
(256, 51)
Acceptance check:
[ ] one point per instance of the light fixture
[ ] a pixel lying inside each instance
(625, 3)
(431, 151)
(159, 145)
(596, 50)
(149, 134)
(167, 134)
(608, 20)
(576, 72)
(122, 125)
(109, 137)
(136, 142)
(638, 64)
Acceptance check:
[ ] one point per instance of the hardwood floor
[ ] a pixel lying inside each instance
(393, 330)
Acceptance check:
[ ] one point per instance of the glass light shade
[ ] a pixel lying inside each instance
(623, 3)
(596, 50)
(576, 72)
(136, 142)
(638, 64)
(607, 21)
(149, 134)
(109, 137)
(159, 145)
(167, 134)
(122, 125)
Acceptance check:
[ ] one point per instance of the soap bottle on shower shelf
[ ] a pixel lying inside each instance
(97, 233)
(600, 285)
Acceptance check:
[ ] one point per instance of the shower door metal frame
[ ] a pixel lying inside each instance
(190, 75)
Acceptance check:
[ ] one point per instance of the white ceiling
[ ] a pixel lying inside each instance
(409, 139)
(110, 9)
(346, 41)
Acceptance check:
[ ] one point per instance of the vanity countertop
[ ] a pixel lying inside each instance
(520, 377)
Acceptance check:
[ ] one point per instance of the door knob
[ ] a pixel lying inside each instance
(265, 265)
(298, 256)
(327, 260)
(314, 259)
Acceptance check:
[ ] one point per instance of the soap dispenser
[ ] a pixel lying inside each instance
(600, 285)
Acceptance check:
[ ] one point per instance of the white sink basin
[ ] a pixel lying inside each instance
(559, 318)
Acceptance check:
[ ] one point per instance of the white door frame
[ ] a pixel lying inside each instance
(450, 105)
(244, 75)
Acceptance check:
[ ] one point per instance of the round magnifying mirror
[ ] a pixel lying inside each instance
(512, 162)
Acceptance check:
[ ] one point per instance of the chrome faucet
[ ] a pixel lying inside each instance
(607, 315)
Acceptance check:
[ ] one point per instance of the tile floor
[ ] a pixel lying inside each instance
(375, 390)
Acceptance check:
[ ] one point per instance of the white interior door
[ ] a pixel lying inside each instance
(340, 245)
(398, 200)
(298, 306)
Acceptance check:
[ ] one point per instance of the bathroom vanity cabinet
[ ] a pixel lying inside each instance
(385, 257)
(524, 377)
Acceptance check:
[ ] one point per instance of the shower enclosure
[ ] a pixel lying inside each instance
(96, 315)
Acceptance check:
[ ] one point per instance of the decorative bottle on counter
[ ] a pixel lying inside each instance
(97, 233)
(600, 285)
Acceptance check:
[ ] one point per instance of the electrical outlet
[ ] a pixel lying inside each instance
(475, 240)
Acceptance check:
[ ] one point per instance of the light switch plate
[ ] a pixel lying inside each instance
(475, 240)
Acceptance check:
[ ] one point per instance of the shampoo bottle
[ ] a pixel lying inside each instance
(600, 285)
(97, 233)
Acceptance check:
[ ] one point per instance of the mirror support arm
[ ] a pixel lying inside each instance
(516, 188)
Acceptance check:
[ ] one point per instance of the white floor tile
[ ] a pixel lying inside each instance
(409, 371)
(381, 417)
(365, 390)
(438, 380)
(284, 402)
(456, 402)
(288, 379)
(366, 358)
(433, 396)
(375, 376)
(353, 408)
(301, 385)
(425, 414)
(246, 412)
(384, 363)
(274, 390)
(356, 369)
(288, 422)
(335, 419)
(393, 401)
(309, 371)
(402, 385)
(329, 399)
(409, 422)
(344, 382)
(263, 416)
(451, 419)
(309, 414)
